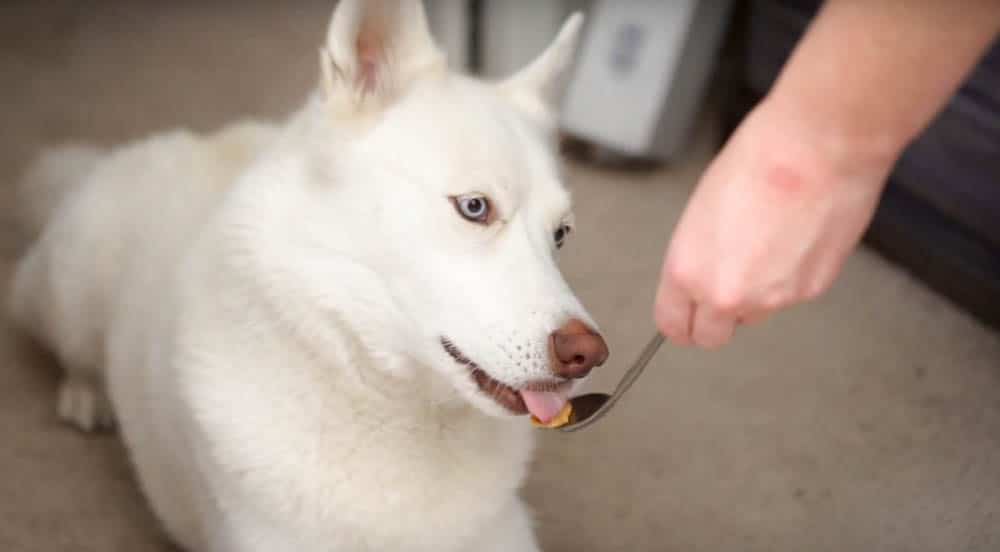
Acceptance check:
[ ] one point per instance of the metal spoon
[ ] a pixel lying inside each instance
(591, 407)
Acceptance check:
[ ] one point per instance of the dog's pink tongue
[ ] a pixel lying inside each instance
(544, 405)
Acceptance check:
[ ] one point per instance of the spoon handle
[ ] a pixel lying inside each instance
(637, 368)
(626, 382)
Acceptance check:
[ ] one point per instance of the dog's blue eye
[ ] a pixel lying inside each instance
(560, 235)
(475, 208)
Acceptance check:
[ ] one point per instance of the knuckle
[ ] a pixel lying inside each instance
(814, 289)
(728, 301)
(671, 328)
(775, 300)
(684, 275)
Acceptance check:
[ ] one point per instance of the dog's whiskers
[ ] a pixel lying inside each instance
(493, 389)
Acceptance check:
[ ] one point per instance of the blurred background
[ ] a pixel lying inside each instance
(867, 420)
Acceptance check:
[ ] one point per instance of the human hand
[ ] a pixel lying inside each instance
(770, 224)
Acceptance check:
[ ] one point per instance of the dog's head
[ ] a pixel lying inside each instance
(445, 195)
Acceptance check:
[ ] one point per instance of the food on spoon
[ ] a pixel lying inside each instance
(561, 419)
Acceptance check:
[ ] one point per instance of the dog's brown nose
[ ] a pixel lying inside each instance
(577, 349)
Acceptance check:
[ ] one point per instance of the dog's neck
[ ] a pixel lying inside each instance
(313, 297)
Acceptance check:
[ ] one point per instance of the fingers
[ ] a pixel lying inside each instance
(674, 313)
(700, 324)
(711, 329)
(686, 321)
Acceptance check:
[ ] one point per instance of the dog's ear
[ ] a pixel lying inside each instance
(539, 86)
(374, 50)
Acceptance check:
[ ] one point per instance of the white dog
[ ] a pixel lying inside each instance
(320, 336)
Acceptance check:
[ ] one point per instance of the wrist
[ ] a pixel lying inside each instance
(827, 145)
(839, 131)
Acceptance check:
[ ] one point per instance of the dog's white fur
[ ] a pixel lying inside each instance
(262, 308)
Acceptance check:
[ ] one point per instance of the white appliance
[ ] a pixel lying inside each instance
(641, 74)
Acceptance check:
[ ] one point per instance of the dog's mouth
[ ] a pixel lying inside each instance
(543, 399)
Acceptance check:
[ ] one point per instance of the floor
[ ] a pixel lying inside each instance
(869, 420)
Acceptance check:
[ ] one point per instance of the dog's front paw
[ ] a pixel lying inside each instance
(83, 404)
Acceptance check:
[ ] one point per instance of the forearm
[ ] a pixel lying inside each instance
(870, 75)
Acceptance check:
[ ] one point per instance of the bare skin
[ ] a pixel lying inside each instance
(787, 199)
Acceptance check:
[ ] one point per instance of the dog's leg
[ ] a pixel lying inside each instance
(71, 337)
(513, 531)
(82, 402)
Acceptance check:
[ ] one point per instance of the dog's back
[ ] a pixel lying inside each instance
(93, 216)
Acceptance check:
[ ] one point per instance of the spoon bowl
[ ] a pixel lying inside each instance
(584, 408)
(591, 407)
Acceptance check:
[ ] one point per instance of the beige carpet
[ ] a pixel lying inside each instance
(867, 421)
